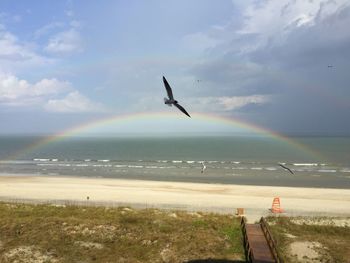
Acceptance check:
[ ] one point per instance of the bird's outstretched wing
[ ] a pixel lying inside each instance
(181, 109)
(285, 167)
(168, 89)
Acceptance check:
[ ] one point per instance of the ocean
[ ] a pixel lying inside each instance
(248, 160)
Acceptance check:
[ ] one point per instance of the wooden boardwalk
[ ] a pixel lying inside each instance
(259, 244)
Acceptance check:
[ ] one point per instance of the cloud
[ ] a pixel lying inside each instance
(14, 54)
(46, 93)
(10, 18)
(65, 42)
(225, 104)
(74, 102)
(280, 50)
(281, 32)
(47, 28)
(210, 104)
(69, 13)
(232, 103)
(272, 21)
(19, 92)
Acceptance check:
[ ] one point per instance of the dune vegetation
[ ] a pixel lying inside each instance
(48, 233)
(312, 239)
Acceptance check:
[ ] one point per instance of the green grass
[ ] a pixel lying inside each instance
(100, 234)
(334, 239)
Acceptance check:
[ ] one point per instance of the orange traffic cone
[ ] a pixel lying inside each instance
(276, 206)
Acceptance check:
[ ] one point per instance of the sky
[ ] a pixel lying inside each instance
(283, 64)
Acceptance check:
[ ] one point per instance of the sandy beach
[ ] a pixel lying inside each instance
(256, 200)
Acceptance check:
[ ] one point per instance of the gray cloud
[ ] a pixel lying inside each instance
(287, 58)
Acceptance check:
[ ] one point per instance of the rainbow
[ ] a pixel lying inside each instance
(151, 116)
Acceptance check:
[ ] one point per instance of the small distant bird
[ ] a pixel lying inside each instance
(286, 168)
(330, 66)
(171, 101)
(203, 167)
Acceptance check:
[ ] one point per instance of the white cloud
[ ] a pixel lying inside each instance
(69, 13)
(225, 103)
(19, 92)
(74, 102)
(65, 42)
(263, 23)
(15, 54)
(46, 93)
(47, 28)
(271, 21)
(10, 18)
(232, 103)
(17, 18)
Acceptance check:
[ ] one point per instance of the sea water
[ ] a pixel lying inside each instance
(315, 161)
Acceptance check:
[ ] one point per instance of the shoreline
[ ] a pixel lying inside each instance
(220, 198)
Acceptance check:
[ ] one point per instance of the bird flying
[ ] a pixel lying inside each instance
(286, 168)
(170, 100)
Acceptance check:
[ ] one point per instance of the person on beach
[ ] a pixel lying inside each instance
(203, 167)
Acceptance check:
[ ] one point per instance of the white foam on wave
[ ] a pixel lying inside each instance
(239, 168)
(54, 160)
(102, 165)
(41, 160)
(327, 171)
(190, 161)
(256, 168)
(120, 165)
(345, 170)
(135, 166)
(87, 160)
(176, 161)
(236, 175)
(305, 164)
(104, 161)
(235, 162)
(270, 168)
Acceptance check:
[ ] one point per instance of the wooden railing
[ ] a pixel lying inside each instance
(247, 248)
(272, 243)
(268, 236)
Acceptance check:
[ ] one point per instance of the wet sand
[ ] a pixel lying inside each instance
(222, 198)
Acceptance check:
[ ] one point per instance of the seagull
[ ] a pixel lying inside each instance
(286, 168)
(203, 167)
(171, 101)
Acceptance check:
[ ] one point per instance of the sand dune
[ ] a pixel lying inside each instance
(256, 200)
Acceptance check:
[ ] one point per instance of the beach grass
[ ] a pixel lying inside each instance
(48, 233)
(324, 239)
